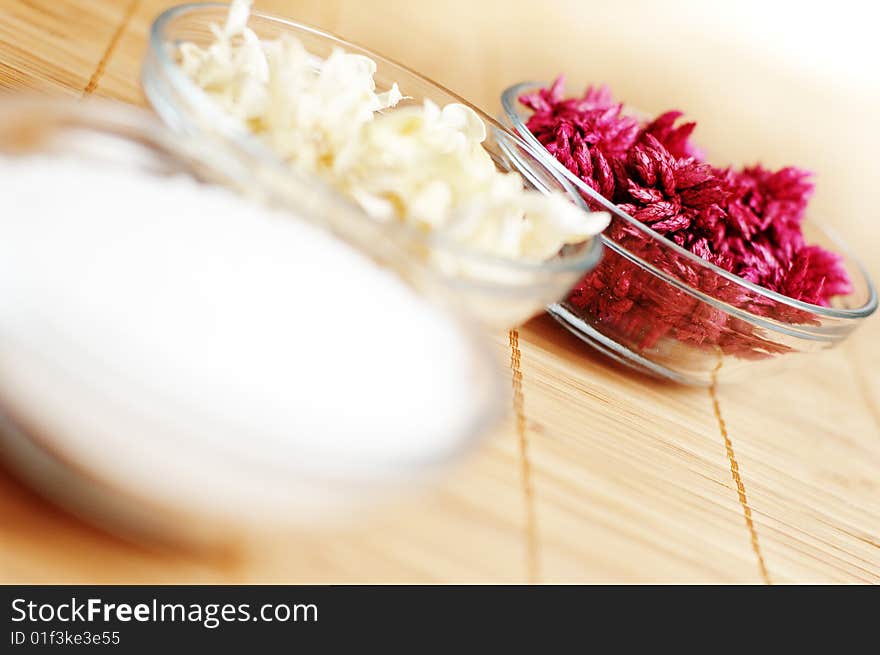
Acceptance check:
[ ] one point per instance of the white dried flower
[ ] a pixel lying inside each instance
(419, 163)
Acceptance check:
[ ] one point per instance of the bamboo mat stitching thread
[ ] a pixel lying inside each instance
(734, 472)
(95, 79)
(532, 563)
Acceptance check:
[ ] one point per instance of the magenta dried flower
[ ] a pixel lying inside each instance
(681, 198)
(676, 139)
(747, 222)
(765, 238)
(585, 134)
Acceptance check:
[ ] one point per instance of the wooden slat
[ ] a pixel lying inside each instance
(608, 476)
(54, 46)
(632, 482)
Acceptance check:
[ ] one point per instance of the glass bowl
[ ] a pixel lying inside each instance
(134, 457)
(662, 310)
(501, 292)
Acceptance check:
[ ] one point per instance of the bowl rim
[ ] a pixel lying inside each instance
(509, 101)
(240, 138)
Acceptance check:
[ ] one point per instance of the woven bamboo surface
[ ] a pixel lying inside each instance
(599, 474)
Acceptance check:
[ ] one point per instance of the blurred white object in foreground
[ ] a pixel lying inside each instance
(210, 357)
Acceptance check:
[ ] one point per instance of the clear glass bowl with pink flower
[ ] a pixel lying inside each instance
(665, 310)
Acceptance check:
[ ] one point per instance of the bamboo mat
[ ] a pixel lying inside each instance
(599, 474)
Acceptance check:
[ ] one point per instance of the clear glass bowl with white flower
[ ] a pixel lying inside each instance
(447, 182)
